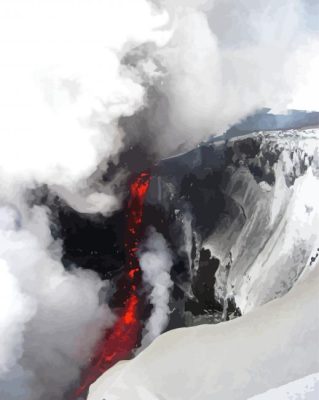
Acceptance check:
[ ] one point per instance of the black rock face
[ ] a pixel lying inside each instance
(219, 186)
(93, 242)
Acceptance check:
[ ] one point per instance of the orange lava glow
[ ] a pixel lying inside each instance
(119, 341)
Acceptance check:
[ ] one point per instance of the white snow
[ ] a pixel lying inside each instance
(306, 388)
(274, 246)
(267, 348)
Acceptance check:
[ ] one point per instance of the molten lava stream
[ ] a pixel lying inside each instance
(119, 341)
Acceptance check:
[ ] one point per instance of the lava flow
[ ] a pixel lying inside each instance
(119, 341)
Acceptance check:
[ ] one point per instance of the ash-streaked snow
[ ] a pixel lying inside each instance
(280, 236)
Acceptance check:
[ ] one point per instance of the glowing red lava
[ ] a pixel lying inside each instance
(118, 343)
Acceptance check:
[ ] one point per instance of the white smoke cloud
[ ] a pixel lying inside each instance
(228, 58)
(49, 318)
(156, 262)
(63, 89)
(63, 86)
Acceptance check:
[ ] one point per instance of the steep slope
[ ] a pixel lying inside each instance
(243, 217)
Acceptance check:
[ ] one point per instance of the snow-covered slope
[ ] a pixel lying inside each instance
(267, 348)
(306, 388)
(279, 236)
(252, 202)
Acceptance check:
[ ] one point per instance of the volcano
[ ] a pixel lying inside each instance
(225, 210)
(241, 216)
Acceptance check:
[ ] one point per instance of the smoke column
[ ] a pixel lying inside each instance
(63, 89)
(156, 262)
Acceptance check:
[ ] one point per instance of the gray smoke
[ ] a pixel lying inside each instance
(156, 262)
(63, 89)
(50, 319)
(225, 60)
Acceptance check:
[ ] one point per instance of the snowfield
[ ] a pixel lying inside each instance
(266, 348)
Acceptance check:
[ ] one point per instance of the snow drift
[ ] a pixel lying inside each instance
(269, 347)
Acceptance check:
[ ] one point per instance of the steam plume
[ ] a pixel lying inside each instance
(156, 262)
(44, 337)
(227, 59)
(63, 88)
